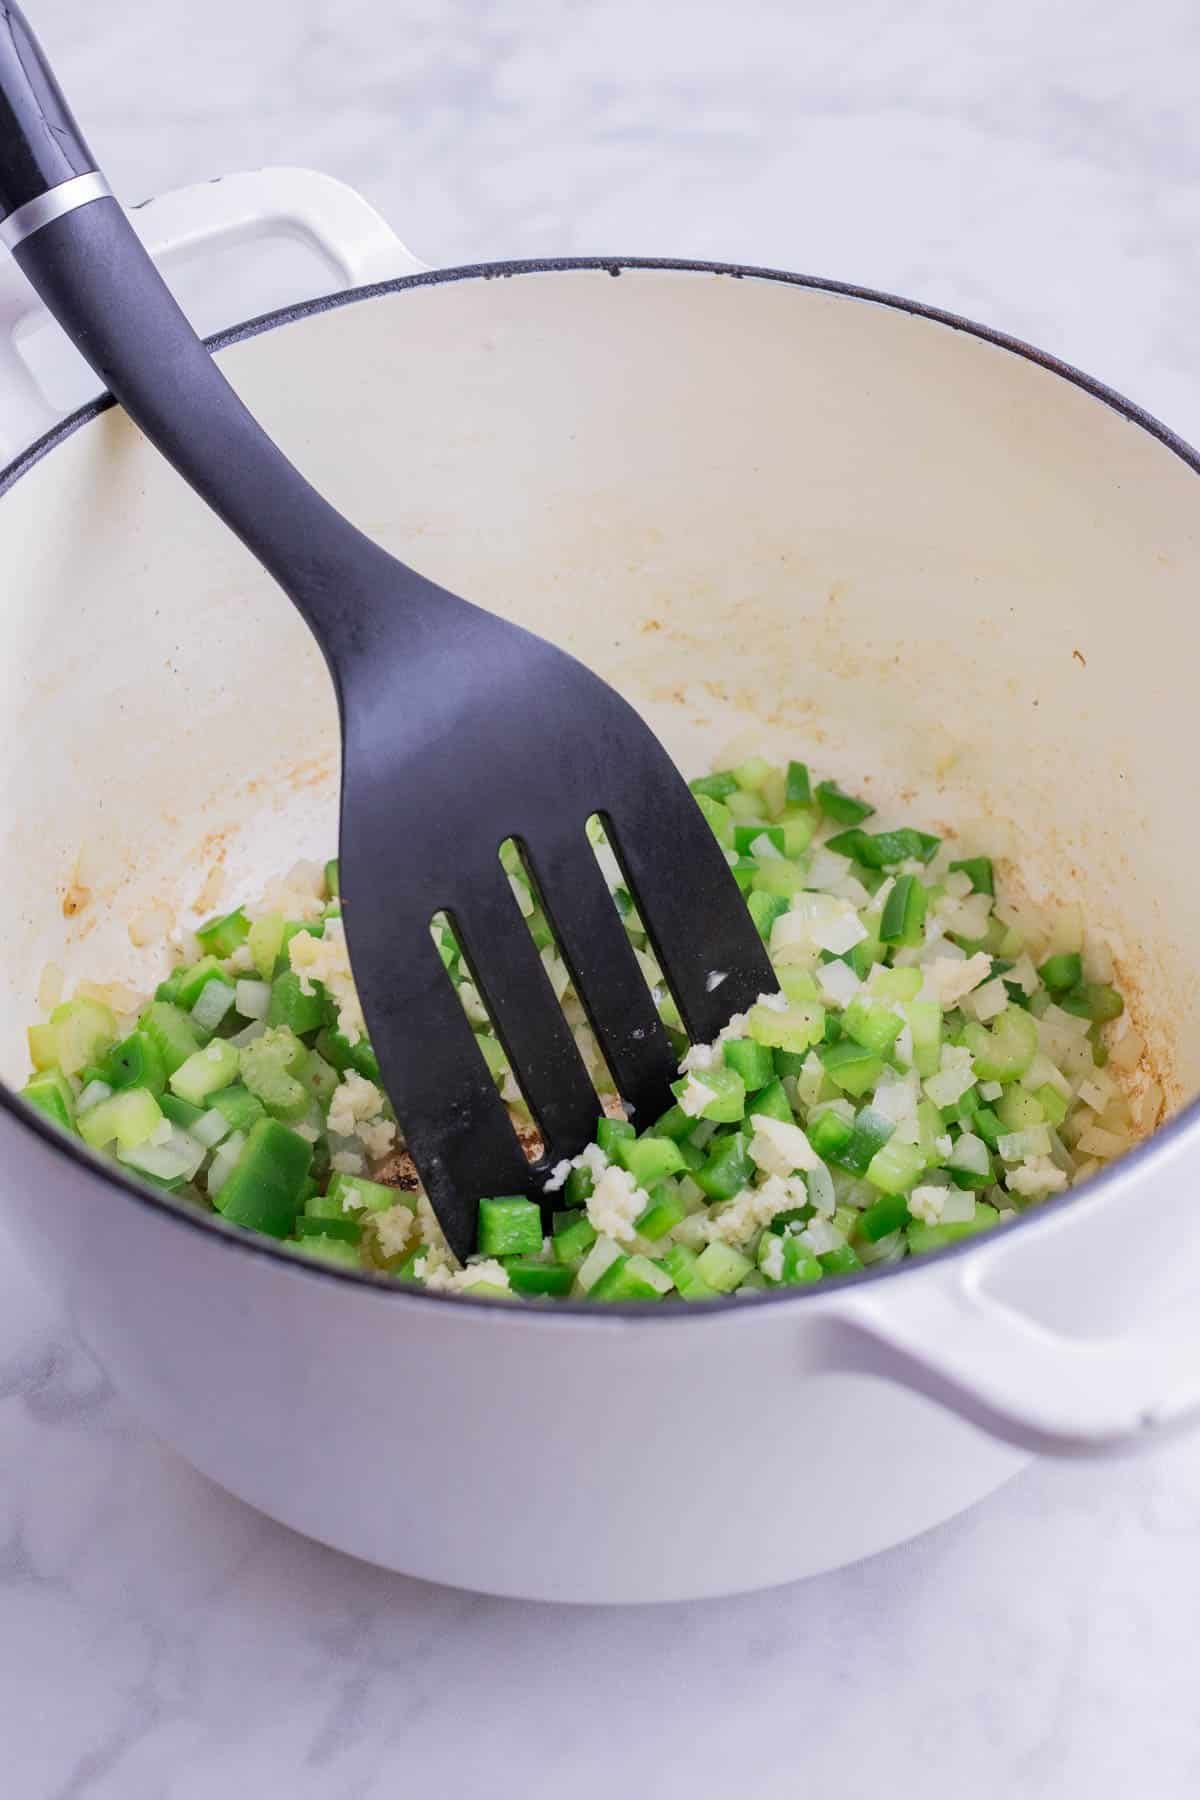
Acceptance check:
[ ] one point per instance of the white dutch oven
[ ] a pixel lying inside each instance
(824, 522)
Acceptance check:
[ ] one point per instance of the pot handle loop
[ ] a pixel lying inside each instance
(352, 245)
(941, 1333)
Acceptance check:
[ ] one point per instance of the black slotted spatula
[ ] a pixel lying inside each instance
(459, 731)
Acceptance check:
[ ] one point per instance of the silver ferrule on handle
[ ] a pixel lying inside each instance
(81, 190)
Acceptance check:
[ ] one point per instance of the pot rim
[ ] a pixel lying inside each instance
(1100, 1187)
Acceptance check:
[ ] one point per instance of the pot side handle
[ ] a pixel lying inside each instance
(941, 1333)
(352, 246)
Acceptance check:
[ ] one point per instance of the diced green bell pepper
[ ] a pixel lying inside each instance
(221, 937)
(265, 1189)
(136, 1062)
(649, 1159)
(509, 1225)
(173, 1034)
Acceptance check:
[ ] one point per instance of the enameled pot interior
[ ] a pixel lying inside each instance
(778, 517)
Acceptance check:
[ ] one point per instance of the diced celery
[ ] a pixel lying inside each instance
(632, 1278)
(722, 1267)
(752, 773)
(1006, 1051)
(872, 1024)
(1017, 1109)
(896, 984)
(896, 1168)
(270, 1068)
(327, 1250)
(205, 1072)
(797, 984)
(319, 1077)
(922, 1237)
(719, 818)
(43, 1046)
(266, 940)
(925, 1023)
(84, 1029)
(797, 829)
(51, 1093)
(796, 1028)
(1053, 1103)
(127, 1119)
(850, 1067)
(354, 1193)
(172, 1032)
(765, 908)
(683, 1265)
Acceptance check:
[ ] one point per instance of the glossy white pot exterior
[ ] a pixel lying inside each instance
(816, 522)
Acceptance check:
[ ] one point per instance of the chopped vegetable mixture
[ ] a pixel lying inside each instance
(936, 1062)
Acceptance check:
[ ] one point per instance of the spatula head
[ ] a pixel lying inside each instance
(461, 731)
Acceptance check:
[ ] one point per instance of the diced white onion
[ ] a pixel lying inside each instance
(1019, 1146)
(212, 1003)
(604, 1251)
(249, 1035)
(92, 1095)
(224, 1163)
(1095, 1141)
(971, 1155)
(210, 1128)
(252, 998)
(180, 1156)
(821, 1191)
(839, 934)
(838, 982)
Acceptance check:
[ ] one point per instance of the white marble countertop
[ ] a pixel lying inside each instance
(1037, 168)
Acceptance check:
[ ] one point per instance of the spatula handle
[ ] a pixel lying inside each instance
(79, 251)
(41, 146)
